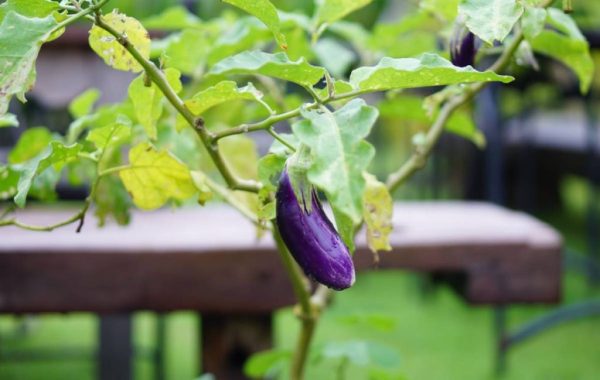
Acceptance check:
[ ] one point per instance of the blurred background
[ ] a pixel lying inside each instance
(541, 156)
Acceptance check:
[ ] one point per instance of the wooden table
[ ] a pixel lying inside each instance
(209, 260)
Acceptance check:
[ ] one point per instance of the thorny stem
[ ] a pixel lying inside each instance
(77, 16)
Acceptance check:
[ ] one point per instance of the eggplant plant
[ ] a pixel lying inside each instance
(203, 86)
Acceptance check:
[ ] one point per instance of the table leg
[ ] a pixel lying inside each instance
(228, 340)
(116, 352)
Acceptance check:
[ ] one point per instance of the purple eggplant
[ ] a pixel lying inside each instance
(311, 238)
(462, 48)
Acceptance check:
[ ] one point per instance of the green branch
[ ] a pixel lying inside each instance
(422, 152)
(79, 15)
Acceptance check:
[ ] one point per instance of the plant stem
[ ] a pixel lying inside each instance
(308, 314)
(77, 16)
(273, 119)
(419, 157)
(157, 76)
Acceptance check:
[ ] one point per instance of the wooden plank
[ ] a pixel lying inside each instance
(209, 259)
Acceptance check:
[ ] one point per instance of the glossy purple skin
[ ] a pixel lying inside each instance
(462, 50)
(312, 240)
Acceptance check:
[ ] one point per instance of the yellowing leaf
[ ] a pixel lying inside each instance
(153, 177)
(265, 12)
(111, 134)
(108, 47)
(378, 208)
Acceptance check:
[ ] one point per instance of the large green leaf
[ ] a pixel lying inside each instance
(31, 143)
(273, 65)
(491, 20)
(20, 41)
(155, 176)
(329, 11)
(574, 53)
(111, 51)
(424, 71)
(378, 208)
(28, 8)
(147, 99)
(222, 92)
(56, 154)
(265, 12)
(447, 9)
(340, 153)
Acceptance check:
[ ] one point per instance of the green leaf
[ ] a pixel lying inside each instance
(447, 9)
(83, 103)
(424, 71)
(174, 18)
(378, 208)
(329, 11)
(155, 176)
(409, 108)
(273, 65)
(245, 34)
(574, 53)
(564, 23)
(20, 41)
(109, 48)
(340, 153)
(266, 363)
(265, 12)
(147, 99)
(362, 353)
(220, 93)
(111, 134)
(346, 227)
(491, 20)
(56, 154)
(533, 21)
(334, 56)
(28, 8)
(187, 51)
(8, 120)
(31, 143)
(9, 178)
(111, 200)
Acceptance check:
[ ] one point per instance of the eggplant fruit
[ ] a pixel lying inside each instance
(462, 48)
(311, 238)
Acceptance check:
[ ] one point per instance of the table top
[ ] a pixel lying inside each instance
(210, 259)
(217, 227)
